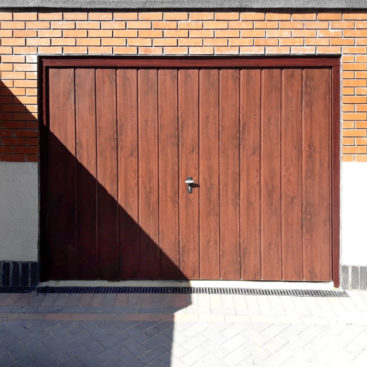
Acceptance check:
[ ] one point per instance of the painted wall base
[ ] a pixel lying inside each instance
(18, 274)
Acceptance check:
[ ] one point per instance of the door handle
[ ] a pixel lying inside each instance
(189, 181)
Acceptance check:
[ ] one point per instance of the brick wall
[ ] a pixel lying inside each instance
(23, 36)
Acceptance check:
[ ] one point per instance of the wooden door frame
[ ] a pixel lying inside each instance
(332, 62)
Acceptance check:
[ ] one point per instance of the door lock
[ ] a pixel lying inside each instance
(189, 181)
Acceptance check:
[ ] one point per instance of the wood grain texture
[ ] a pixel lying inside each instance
(188, 161)
(316, 174)
(107, 216)
(208, 174)
(128, 195)
(291, 180)
(85, 120)
(148, 174)
(61, 175)
(250, 159)
(229, 173)
(270, 175)
(168, 173)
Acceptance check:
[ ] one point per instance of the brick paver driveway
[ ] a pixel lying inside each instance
(182, 330)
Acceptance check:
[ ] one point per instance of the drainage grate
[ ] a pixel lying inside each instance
(180, 290)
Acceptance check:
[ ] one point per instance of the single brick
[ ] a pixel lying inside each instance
(354, 116)
(125, 50)
(201, 16)
(227, 16)
(266, 42)
(279, 33)
(291, 25)
(139, 24)
(150, 33)
(150, 51)
(360, 24)
(150, 16)
(88, 25)
(219, 42)
(75, 33)
(175, 50)
(165, 25)
(354, 99)
(277, 50)
(355, 33)
(329, 16)
(252, 16)
(327, 33)
(174, 33)
(277, 16)
(139, 42)
(176, 16)
(165, 42)
(125, 16)
(230, 33)
(354, 66)
(317, 41)
(25, 67)
(348, 141)
(24, 33)
(24, 16)
(348, 58)
(49, 33)
(201, 33)
(190, 25)
(215, 24)
(75, 50)
(49, 16)
(316, 25)
(354, 16)
(38, 25)
(62, 25)
(361, 141)
(88, 41)
(359, 41)
(255, 33)
(249, 50)
(304, 16)
(6, 16)
(226, 50)
(13, 42)
(101, 33)
(100, 16)
(190, 42)
(12, 25)
(354, 82)
(100, 50)
(266, 25)
(113, 25)
(241, 25)
(13, 75)
(303, 50)
(347, 158)
(76, 16)
(354, 50)
(342, 25)
(341, 41)
(201, 50)
(125, 33)
(63, 41)
(7, 33)
(38, 42)
(291, 41)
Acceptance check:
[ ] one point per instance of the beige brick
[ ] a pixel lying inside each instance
(201, 16)
(24, 16)
(175, 50)
(100, 50)
(328, 50)
(12, 58)
(49, 33)
(50, 50)
(75, 50)
(100, 16)
(316, 25)
(150, 16)
(113, 25)
(360, 24)
(75, 33)
(355, 33)
(348, 58)
(150, 51)
(347, 158)
(329, 16)
(341, 41)
(361, 158)
(126, 33)
(101, 33)
(38, 41)
(266, 41)
(125, 16)
(249, 50)
(64, 41)
(38, 25)
(354, 99)
(358, 41)
(354, 149)
(361, 58)
(361, 141)
(190, 25)
(303, 50)
(241, 25)
(201, 50)
(291, 25)
(202, 33)
(125, 50)
(6, 16)
(49, 16)
(226, 50)
(227, 16)
(8, 33)
(23, 33)
(62, 25)
(88, 25)
(278, 16)
(76, 16)
(165, 42)
(113, 41)
(241, 42)
(252, 16)
(342, 25)
(13, 75)
(354, 50)
(354, 66)
(24, 50)
(139, 24)
(139, 42)
(164, 25)
(348, 141)
(317, 41)
(6, 67)
(348, 125)
(266, 25)
(254, 33)
(5, 50)
(354, 116)
(150, 33)
(279, 33)
(174, 33)
(215, 25)
(291, 41)
(175, 16)
(347, 91)
(12, 25)
(89, 41)
(355, 82)
(230, 33)
(277, 50)
(13, 42)
(190, 42)
(304, 16)
(327, 33)
(303, 33)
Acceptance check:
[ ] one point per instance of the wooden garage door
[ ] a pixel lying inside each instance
(122, 140)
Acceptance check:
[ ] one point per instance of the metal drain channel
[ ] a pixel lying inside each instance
(180, 290)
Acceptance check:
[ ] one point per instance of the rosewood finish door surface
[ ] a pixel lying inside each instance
(122, 141)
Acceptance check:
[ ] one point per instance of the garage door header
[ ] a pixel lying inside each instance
(185, 4)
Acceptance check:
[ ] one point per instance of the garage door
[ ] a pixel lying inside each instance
(188, 169)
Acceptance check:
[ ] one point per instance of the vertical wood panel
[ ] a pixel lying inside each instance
(270, 175)
(61, 175)
(168, 173)
(316, 174)
(148, 173)
(250, 175)
(229, 173)
(128, 172)
(292, 174)
(107, 229)
(188, 161)
(86, 175)
(208, 171)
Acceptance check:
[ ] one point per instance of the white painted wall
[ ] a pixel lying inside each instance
(19, 210)
(354, 213)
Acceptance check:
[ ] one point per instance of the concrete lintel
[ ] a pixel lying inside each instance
(184, 4)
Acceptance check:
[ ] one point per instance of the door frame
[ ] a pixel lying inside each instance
(332, 62)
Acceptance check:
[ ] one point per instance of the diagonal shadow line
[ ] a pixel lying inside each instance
(70, 184)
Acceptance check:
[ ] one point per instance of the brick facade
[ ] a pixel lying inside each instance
(25, 35)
